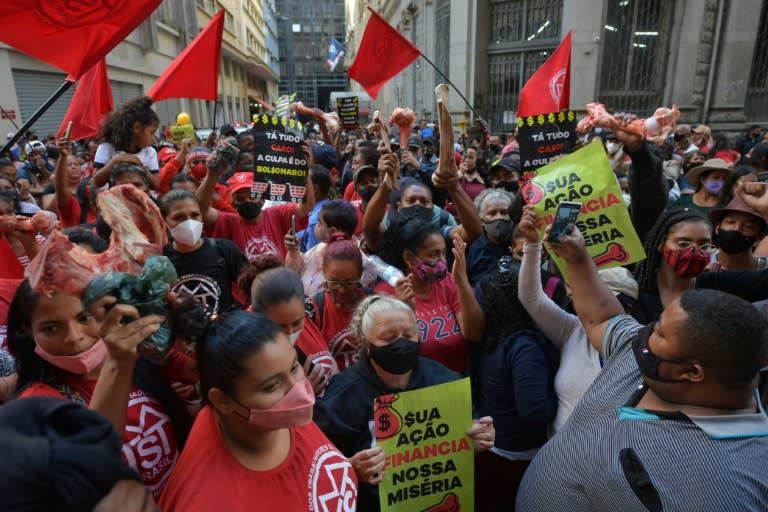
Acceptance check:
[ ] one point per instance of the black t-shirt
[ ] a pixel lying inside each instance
(208, 273)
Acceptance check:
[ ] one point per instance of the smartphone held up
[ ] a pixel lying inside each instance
(565, 220)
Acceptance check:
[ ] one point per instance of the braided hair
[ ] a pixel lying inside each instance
(504, 313)
(646, 270)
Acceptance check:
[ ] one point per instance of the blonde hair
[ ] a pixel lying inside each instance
(370, 307)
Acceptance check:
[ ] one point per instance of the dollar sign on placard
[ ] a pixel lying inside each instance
(384, 423)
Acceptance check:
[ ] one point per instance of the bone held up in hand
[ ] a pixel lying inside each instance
(446, 167)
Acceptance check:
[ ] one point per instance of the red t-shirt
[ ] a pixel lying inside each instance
(311, 342)
(314, 476)
(261, 237)
(69, 216)
(149, 444)
(334, 324)
(439, 331)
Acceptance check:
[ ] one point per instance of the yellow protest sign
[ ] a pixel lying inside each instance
(430, 459)
(586, 177)
(179, 132)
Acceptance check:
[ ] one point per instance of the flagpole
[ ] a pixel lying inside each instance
(39, 112)
(451, 84)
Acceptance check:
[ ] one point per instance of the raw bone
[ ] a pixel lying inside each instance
(446, 166)
(331, 120)
(403, 118)
(138, 231)
(655, 129)
(380, 129)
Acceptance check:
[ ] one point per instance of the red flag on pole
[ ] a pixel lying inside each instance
(195, 72)
(549, 89)
(72, 36)
(383, 53)
(91, 102)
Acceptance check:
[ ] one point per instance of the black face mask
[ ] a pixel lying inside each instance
(647, 361)
(509, 186)
(398, 357)
(498, 230)
(248, 210)
(733, 241)
(418, 211)
(366, 193)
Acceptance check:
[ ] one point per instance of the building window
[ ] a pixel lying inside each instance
(442, 28)
(756, 107)
(523, 34)
(635, 48)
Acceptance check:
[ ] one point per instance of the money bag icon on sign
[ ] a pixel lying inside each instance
(387, 421)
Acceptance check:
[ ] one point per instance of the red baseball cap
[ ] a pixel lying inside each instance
(239, 181)
(166, 153)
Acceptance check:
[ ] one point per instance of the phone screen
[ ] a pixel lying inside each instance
(565, 220)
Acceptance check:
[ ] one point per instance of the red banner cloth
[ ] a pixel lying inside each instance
(383, 53)
(549, 89)
(72, 36)
(91, 102)
(195, 72)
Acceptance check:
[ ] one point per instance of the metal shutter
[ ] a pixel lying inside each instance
(32, 89)
(124, 91)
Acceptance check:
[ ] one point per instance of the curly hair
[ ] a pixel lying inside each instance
(646, 270)
(258, 264)
(117, 128)
(408, 231)
(504, 313)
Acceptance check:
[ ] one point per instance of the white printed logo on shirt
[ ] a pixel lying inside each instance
(331, 484)
(201, 288)
(261, 245)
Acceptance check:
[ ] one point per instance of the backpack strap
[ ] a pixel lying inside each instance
(220, 259)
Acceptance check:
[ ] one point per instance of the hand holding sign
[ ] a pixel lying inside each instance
(369, 465)
(483, 433)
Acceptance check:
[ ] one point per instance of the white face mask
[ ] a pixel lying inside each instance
(293, 337)
(188, 232)
(612, 147)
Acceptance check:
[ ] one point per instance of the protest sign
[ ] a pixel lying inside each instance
(280, 162)
(348, 111)
(430, 458)
(179, 132)
(544, 137)
(586, 177)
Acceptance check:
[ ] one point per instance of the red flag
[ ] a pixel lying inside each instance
(91, 102)
(549, 89)
(72, 36)
(383, 53)
(195, 72)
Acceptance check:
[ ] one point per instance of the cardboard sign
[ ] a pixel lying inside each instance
(281, 166)
(179, 132)
(348, 111)
(543, 138)
(430, 458)
(586, 177)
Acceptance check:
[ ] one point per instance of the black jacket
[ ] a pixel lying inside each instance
(345, 412)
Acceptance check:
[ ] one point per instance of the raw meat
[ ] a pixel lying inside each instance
(403, 118)
(331, 120)
(655, 129)
(138, 231)
(41, 222)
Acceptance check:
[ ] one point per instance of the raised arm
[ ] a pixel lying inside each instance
(471, 317)
(594, 302)
(308, 205)
(101, 176)
(554, 322)
(470, 227)
(377, 207)
(63, 195)
(207, 187)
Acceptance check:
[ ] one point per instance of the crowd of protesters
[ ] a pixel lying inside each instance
(622, 389)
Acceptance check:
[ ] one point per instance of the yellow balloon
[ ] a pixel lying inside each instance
(183, 118)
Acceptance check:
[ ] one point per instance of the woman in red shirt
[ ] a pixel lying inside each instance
(278, 293)
(63, 351)
(254, 445)
(447, 313)
(342, 268)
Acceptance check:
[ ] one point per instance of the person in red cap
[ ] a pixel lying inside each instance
(253, 229)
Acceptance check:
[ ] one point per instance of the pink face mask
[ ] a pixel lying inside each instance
(78, 364)
(293, 410)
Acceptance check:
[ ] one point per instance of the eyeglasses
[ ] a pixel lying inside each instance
(685, 244)
(338, 285)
